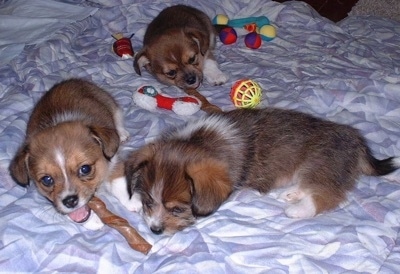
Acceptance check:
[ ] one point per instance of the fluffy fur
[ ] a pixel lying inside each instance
(70, 147)
(191, 170)
(177, 49)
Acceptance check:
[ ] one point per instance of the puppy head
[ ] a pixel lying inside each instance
(175, 57)
(176, 185)
(67, 163)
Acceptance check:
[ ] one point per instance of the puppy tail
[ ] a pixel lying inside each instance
(381, 167)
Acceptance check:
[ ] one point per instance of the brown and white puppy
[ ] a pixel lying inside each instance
(191, 170)
(177, 49)
(70, 147)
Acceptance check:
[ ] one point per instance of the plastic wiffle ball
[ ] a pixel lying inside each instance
(246, 93)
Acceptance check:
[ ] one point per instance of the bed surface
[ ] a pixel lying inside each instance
(346, 72)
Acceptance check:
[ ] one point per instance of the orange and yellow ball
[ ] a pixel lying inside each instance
(246, 93)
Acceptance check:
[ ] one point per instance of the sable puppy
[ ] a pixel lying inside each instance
(191, 170)
(70, 147)
(177, 49)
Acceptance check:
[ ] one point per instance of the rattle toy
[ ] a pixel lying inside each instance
(148, 98)
(135, 241)
(245, 93)
(259, 29)
(123, 46)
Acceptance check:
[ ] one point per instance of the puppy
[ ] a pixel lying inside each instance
(191, 170)
(177, 49)
(70, 147)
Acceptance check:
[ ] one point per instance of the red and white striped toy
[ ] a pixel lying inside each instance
(149, 98)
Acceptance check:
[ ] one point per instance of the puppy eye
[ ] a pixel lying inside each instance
(148, 204)
(171, 73)
(177, 210)
(85, 170)
(47, 181)
(192, 60)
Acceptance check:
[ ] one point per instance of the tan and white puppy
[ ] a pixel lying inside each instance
(70, 147)
(177, 49)
(191, 170)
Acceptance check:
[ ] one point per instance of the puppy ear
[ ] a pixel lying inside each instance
(141, 60)
(135, 163)
(211, 185)
(18, 166)
(108, 139)
(201, 38)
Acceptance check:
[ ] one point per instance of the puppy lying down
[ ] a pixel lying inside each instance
(178, 50)
(191, 170)
(70, 148)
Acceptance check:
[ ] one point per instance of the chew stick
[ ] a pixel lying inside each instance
(135, 241)
(205, 104)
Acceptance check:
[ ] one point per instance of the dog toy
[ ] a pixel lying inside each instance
(134, 239)
(222, 19)
(148, 98)
(123, 46)
(259, 29)
(252, 40)
(245, 93)
(228, 35)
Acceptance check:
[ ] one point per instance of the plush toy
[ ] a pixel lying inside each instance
(259, 29)
(252, 40)
(222, 19)
(149, 98)
(228, 35)
(246, 93)
(123, 46)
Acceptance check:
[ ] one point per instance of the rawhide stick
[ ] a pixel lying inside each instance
(135, 241)
(205, 104)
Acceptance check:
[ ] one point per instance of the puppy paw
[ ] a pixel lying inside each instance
(292, 195)
(135, 203)
(305, 208)
(217, 78)
(213, 74)
(123, 134)
(94, 222)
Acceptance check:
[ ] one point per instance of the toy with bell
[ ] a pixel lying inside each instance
(246, 93)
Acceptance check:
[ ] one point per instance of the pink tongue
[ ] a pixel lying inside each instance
(80, 215)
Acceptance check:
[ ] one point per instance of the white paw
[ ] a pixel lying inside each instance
(118, 187)
(213, 74)
(305, 208)
(135, 203)
(94, 222)
(119, 125)
(123, 134)
(292, 195)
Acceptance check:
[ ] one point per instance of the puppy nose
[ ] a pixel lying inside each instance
(156, 230)
(71, 201)
(190, 79)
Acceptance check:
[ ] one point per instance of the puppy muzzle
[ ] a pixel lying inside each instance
(190, 79)
(157, 229)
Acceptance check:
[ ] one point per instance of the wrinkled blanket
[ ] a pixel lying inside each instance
(346, 72)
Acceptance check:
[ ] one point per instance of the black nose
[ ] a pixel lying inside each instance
(190, 79)
(157, 230)
(71, 201)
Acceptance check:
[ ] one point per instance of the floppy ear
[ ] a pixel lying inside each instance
(18, 166)
(135, 163)
(202, 39)
(211, 185)
(141, 60)
(108, 139)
